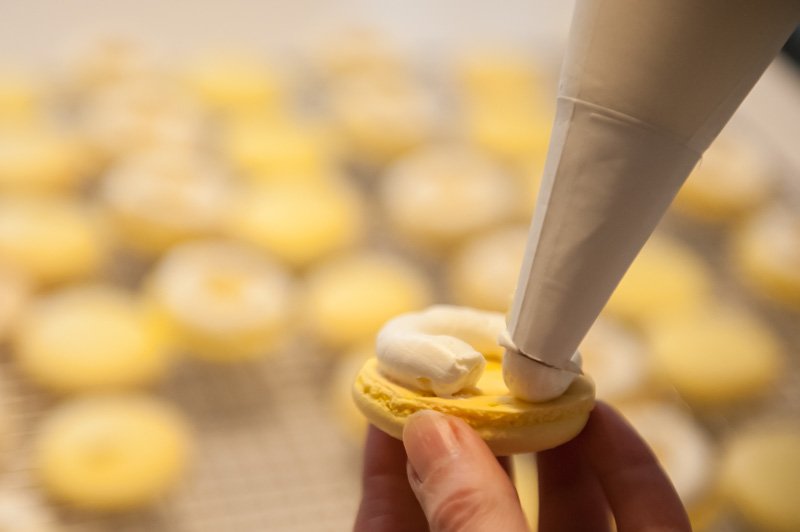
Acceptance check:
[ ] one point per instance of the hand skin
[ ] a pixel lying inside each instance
(442, 477)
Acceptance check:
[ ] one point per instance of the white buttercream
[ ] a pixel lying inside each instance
(440, 349)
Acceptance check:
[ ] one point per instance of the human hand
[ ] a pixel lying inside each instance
(442, 477)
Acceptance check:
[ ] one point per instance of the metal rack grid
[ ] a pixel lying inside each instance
(267, 455)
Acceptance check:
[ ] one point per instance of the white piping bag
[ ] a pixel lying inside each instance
(645, 87)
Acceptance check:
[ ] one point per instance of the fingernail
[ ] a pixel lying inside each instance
(429, 439)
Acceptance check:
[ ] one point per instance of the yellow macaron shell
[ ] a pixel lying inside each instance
(51, 241)
(222, 300)
(666, 279)
(378, 118)
(15, 294)
(441, 195)
(157, 200)
(88, 338)
(483, 273)
(41, 160)
(235, 82)
(347, 415)
(508, 425)
(730, 181)
(719, 356)
(349, 298)
(111, 453)
(761, 476)
(766, 252)
(298, 222)
(278, 150)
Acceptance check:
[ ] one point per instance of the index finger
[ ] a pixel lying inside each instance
(638, 491)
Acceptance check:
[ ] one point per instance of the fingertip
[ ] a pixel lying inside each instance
(429, 439)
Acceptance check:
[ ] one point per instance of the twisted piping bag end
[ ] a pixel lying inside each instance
(532, 380)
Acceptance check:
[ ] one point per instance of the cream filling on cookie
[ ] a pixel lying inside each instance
(440, 349)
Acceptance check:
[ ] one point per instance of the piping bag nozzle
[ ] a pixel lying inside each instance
(645, 88)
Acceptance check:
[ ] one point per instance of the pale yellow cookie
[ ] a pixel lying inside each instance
(156, 200)
(298, 222)
(349, 418)
(349, 298)
(526, 481)
(761, 475)
(41, 160)
(15, 294)
(50, 241)
(666, 279)
(87, 338)
(379, 118)
(766, 252)
(617, 360)
(484, 272)
(111, 452)
(20, 96)
(225, 301)
(278, 150)
(494, 76)
(441, 195)
(513, 135)
(718, 356)
(143, 115)
(232, 82)
(731, 181)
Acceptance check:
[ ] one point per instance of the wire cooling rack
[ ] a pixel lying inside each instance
(267, 454)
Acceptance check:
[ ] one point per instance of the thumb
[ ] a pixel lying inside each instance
(456, 478)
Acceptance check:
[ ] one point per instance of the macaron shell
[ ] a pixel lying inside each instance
(761, 476)
(507, 425)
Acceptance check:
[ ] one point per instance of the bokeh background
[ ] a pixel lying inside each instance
(207, 209)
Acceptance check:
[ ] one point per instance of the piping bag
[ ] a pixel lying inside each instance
(645, 87)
